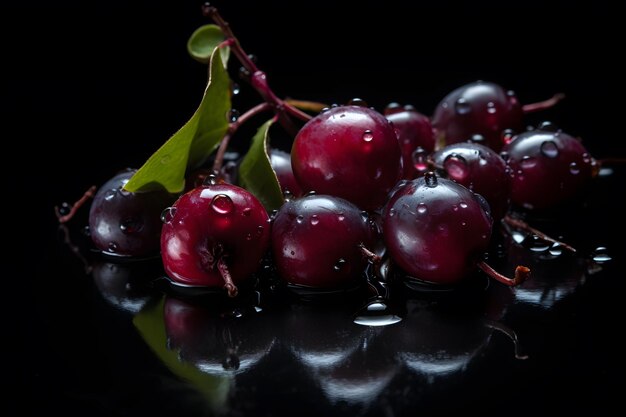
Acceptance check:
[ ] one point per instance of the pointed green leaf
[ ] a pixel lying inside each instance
(193, 142)
(204, 40)
(256, 174)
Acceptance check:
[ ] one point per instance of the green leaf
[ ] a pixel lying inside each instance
(204, 40)
(256, 174)
(150, 322)
(193, 142)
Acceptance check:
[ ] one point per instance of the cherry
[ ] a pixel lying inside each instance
(478, 168)
(416, 137)
(122, 223)
(319, 241)
(548, 168)
(436, 230)
(350, 152)
(281, 163)
(215, 236)
(482, 110)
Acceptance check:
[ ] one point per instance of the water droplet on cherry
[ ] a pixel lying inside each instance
(368, 136)
(168, 214)
(549, 149)
(222, 204)
(462, 106)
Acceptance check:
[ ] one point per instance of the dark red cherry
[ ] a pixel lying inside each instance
(127, 224)
(478, 168)
(416, 137)
(281, 163)
(350, 152)
(435, 229)
(317, 241)
(479, 109)
(548, 168)
(214, 235)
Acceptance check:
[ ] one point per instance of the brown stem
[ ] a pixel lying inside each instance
(520, 224)
(510, 333)
(74, 208)
(521, 274)
(313, 106)
(232, 128)
(258, 79)
(229, 285)
(371, 256)
(543, 105)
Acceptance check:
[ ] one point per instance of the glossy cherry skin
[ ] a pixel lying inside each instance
(548, 168)
(127, 224)
(351, 152)
(209, 223)
(435, 229)
(315, 241)
(281, 163)
(479, 108)
(480, 169)
(414, 131)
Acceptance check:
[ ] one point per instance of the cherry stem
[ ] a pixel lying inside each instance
(232, 128)
(229, 285)
(313, 106)
(543, 105)
(258, 79)
(64, 218)
(371, 256)
(510, 333)
(520, 224)
(521, 274)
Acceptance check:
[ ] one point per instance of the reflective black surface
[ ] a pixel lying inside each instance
(100, 338)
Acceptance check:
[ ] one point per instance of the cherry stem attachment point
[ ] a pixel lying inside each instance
(229, 285)
(371, 256)
(521, 274)
(64, 218)
(543, 105)
(522, 225)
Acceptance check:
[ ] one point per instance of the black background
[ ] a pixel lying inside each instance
(93, 88)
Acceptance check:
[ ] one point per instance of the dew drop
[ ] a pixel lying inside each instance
(518, 237)
(249, 236)
(131, 225)
(491, 107)
(507, 136)
(462, 106)
(339, 264)
(299, 218)
(477, 138)
(287, 195)
(110, 194)
(456, 167)
(315, 219)
(392, 212)
(233, 115)
(259, 230)
(357, 102)
(392, 108)
(325, 109)
(549, 149)
(445, 105)
(86, 231)
(574, 169)
(365, 216)
(341, 216)
(168, 214)
(368, 136)
(431, 179)
(422, 208)
(601, 255)
(586, 158)
(548, 126)
(420, 159)
(556, 249)
(455, 207)
(235, 88)
(463, 204)
(65, 209)
(112, 247)
(246, 212)
(528, 162)
(537, 244)
(505, 156)
(222, 204)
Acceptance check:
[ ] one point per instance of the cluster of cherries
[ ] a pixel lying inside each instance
(422, 194)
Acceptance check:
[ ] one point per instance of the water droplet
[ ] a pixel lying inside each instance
(505, 156)
(368, 136)
(510, 93)
(601, 255)
(168, 214)
(455, 207)
(339, 264)
(249, 236)
(536, 244)
(357, 102)
(507, 136)
(341, 216)
(365, 216)
(491, 107)
(287, 195)
(548, 126)
(334, 105)
(131, 225)
(586, 158)
(431, 179)
(112, 247)
(462, 106)
(86, 231)
(518, 237)
(235, 89)
(574, 169)
(463, 204)
(463, 223)
(392, 212)
(233, 115)
(422, 208)
(222, 204)
(445, 105)
(528, 162)
(456, 167)
(477, 138)
(315, 219)
(244, 73)
(259, 230)
(549, 149)
(420, 159)
(247, 211)
(110, 194)
(556, 249)
(392, 108)
(299, 218)
(325, 109)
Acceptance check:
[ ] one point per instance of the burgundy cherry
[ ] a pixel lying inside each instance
(319, 241)
(350, 152)
(214, 235)
(548, 168)
(281, 163)
(416, 137)
(480, 169)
